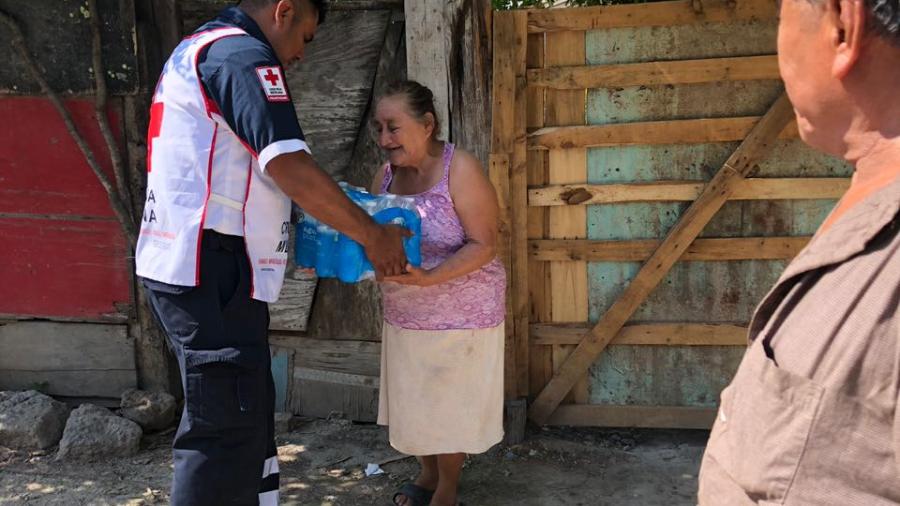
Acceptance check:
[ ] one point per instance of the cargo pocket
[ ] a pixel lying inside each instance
(225, 388)
(762, 427)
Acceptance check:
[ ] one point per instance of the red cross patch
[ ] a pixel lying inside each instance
(273, 83)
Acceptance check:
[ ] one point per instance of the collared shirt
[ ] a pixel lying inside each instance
(810, 417)
(245, 81)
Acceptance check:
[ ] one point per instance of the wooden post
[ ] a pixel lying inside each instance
(679, 239)
(449, 50)
(540, 366)
(426, 52)
(158, 25)
(503, 114)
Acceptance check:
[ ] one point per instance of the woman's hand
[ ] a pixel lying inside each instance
(414, 276)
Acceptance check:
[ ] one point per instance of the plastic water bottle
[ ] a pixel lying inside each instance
(306, 242)
(334, 255)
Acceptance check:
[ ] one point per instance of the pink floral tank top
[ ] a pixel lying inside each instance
(474, 301)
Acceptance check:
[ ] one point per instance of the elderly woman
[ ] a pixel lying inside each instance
(811, 416)
(442, 347)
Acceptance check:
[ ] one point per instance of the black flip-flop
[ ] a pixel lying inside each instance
(415, 495)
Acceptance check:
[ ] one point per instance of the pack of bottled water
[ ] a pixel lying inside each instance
(334, 255)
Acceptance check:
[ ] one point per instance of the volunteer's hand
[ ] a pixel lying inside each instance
(414, 276)
(385, 250)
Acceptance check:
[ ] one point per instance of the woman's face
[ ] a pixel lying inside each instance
(401, 135)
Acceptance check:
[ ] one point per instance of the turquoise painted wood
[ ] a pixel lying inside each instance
(281, 360)
(701, 292)
(704, 40)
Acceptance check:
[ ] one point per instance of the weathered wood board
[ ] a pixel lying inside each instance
(58, 35)
(704, 291)
(333, 376)
(63, 253)
(332, 86)
(68, 359)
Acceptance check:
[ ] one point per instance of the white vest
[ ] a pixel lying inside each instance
(195, 162)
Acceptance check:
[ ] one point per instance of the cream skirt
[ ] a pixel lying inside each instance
(442, 390)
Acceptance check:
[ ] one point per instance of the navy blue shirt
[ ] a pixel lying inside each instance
(243, 76)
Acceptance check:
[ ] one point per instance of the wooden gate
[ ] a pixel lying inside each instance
(653, 186)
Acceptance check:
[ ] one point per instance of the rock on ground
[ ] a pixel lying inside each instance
(30, 420)
(94, 432)
(151, 410)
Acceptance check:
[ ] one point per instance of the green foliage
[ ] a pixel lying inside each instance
(542, 4)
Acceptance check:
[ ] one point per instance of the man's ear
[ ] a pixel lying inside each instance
(285, 13)
(848, 20)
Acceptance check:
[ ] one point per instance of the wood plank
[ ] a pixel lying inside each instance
(467, 31)
(681, 12)
(685, 131)
(85, 360)
(648, 417)
(427, 55)
(710, 70)
(518, 189)
(338, 378)
(325, 398)
(70, 41)
(92, 255)
(535, 96)
(655, 334)
(718, 249)
(811, 188)
(292, 310)
(691, 224)
(108, 383)
(504, 84)
(343, 356)
(282, 369)
(568, 280)
(364, 5)
(503, 117)
(36, 180)
(540, 367)
(332, 86)
(498, 172)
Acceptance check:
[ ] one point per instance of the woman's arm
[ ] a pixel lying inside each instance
(475, 201)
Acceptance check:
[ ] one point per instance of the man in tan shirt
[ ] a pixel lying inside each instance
(811, 415)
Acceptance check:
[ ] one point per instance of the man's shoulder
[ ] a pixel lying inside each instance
(236, 53)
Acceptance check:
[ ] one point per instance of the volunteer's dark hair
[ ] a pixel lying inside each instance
(320, 5)
(419, 99)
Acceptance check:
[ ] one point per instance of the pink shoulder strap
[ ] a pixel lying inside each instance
(388, 177)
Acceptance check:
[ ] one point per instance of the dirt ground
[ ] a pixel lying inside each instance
(323, 462)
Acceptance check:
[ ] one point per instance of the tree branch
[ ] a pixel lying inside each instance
(115, 199)
(102, 96)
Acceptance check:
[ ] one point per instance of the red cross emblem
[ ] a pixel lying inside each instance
(272, 80)
(272, 77)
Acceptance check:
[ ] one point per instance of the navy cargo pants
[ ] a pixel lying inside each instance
(224, 449)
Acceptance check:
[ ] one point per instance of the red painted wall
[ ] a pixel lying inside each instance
(62, 252)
